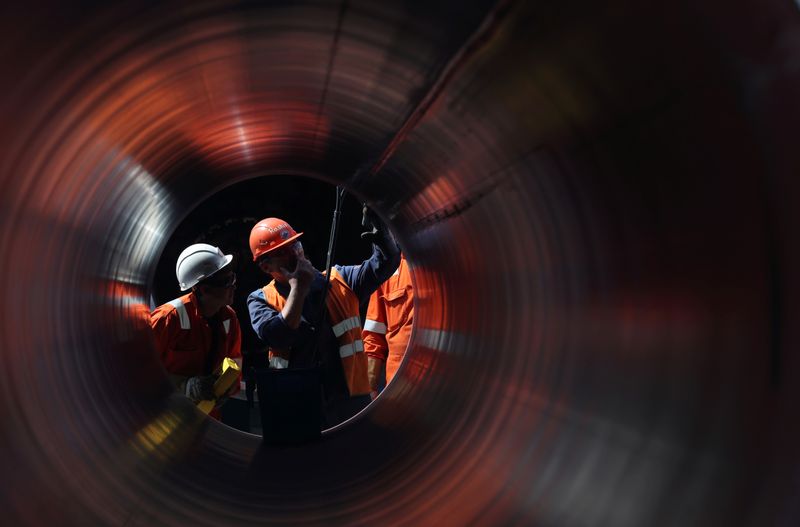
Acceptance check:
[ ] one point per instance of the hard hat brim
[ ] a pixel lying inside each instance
(284, 243)
(228, 260)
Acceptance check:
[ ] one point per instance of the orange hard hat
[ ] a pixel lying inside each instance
(270, 234)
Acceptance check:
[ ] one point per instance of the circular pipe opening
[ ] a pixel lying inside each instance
(225, 219)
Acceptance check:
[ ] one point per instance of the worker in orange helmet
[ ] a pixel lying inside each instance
(387, 328)
(286, 313)
(196, 331)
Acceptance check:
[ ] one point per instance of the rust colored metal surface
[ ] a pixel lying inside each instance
(599, 201)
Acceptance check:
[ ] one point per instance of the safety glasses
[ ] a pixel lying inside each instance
(225, 280)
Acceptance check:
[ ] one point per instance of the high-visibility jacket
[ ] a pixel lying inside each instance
(184, 337)
(345, 321)
(390, 316)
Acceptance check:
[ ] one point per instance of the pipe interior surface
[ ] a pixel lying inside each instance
(596, 198)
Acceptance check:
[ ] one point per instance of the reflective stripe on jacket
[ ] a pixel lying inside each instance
(343, 314)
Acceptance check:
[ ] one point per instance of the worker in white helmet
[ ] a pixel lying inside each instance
(195, 332)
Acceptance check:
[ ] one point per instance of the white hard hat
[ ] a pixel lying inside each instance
(197, 262)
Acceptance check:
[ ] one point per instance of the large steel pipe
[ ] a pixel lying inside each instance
(598, 200)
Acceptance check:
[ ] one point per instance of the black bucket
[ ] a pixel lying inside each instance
(290, 401)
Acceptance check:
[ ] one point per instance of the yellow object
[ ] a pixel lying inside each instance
(227, 375)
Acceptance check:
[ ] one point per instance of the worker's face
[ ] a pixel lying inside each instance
(284, 258)
(221, 287)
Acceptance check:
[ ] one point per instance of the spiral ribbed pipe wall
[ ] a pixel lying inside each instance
(596, 198)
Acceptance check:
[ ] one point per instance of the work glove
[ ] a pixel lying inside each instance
(379, 234)
(376, 373)
(200, 388)
(373, 224)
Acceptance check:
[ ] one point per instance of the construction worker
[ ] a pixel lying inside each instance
(387, 328)
(286, 314)
(196, 331)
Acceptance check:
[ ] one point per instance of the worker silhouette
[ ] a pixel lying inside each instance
(195, 332)
(387, 328)
(287, 313)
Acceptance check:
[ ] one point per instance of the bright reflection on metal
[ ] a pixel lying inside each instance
(598, 199)
(133, 184)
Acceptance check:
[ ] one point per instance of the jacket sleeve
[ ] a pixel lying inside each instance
(268, 323)
(166, 328)
(374, 332)
(365, 278)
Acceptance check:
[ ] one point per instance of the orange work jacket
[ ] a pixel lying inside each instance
(390, 315)
(345, 321)
(183, 337)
